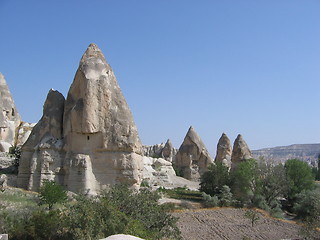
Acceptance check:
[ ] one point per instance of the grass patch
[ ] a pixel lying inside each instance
(182, 194)
(18, 197)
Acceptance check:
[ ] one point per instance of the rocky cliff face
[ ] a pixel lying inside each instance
(88, 141)
(305, 152)
(193, 157)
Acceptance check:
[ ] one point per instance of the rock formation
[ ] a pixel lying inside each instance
(9, 117)
(42, 153)
(88, 141)
(158, 172)
(240, 152)
(3, 182)
(166, 151)
(192, 158)
(154, 151)
(306, 152)
(224, 151)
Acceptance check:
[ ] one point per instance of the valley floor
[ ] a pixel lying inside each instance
(231, 224)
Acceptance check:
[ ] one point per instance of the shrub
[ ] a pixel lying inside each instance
(214, 179)
(143, 206)
(51, 193)
(308, 204)
(210, 201)
(299, 176)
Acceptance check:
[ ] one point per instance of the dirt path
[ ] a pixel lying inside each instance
(230, 223)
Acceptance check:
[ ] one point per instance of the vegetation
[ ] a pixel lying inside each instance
(262, 185)
(51, 193)
(182, 193)
(15, 152)
(299, 176)
(253, 216)
(118, 210)
(215, 178)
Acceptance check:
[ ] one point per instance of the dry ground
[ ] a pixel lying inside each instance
(230, 223)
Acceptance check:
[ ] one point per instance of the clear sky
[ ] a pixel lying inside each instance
(234, 66)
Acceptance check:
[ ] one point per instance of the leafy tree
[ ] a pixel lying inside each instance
(307, 208)
(308, 204)
(299, 177)
(225, 197)
(273, 182)
(51, 193)
(246, 181)
(143, 206)
(214, 179)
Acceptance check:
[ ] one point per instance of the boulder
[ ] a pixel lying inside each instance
(158, 172)
(121, 237)
(240, 152)
(224, 151)
(192, 158)
(9, 116)
(3, 182)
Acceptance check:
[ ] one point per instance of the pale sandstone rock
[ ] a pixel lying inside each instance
(163, 150)
(42, 153)
(168, 152)
(240, 152)
(3, 182)
(121, 237)
(224, 151)
(159, 172)
(193, 157)
(153, 150)
(88, 142)
(23, 132)
(9, 116)
(95, 106)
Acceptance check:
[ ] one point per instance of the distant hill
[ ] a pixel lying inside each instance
(305, 152)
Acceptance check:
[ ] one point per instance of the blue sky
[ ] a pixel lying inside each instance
(249, 67)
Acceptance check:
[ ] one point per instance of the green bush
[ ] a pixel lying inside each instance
(210, 201)
(214, 179)
(299, 176)
(51, 193)
(143, 206)
(119, 210)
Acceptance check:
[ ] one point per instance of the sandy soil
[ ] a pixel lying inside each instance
(230, 223)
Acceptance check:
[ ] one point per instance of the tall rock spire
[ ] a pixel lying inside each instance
(96, 105)
(224, 150)
(9, 116)
(192, 157)
(96, 143)
(240, 152)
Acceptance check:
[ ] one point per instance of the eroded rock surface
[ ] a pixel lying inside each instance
(193, 157)
(240, 152)
(88, 142)
(42, 153)
(9, 117)
(224, 151)
(163, 150)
